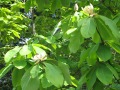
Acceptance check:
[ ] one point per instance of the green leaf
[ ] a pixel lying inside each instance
(41, 4)
(27, 5)
(115, 46)
(71, 30)
(104, 74)
(88, 28)
(16, 77)
(38, 50)
(45, 82)
(56, 4)
(112, 69)
(75, 41)
(104, 53)
(54, 74)
(103, 30)
(91, 79)
(5, 70)
(29, 83)
(65, 2)
(98, 86)
(113, 27)
(83, 56)
(20, 64)
(96, 38)
(11, 53)
(82, 80)
(35, 71)
(65, 70)
(92, 57)
(26, 49)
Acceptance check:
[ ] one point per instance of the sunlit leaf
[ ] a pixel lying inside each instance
(11, 53)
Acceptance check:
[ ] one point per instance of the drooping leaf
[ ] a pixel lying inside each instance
(88, 28)
(16, 77)
(91, 79)
(54, 74)
(82, 80)
(92, 57)
(104, 32)
(5, 70)
(26, 49)
(112, 69)
(113, 27)
(29, 83)
(65, 70)
(104, 74)
(104, 53)
(83, 56)
(11, 53)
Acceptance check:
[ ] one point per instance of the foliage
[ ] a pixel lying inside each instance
(67, 48)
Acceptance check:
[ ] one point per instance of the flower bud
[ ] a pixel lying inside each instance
(76, 7)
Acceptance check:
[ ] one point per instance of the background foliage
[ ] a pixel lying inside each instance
(50, 45)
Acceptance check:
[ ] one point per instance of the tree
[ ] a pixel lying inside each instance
(72, 44)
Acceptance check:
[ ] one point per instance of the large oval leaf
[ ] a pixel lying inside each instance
(104, 74)
(29, 83)
(88, 28)
(104, 53)
(10, 54)
(54, 74)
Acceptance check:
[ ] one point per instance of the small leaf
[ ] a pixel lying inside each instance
(104, 74)
(11, 53)
(104, 53)
(5, 70)
(88, 28)
(70, 31)
(54, 74)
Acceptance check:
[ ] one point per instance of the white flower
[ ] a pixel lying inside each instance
(39, 57)
(88, 9)
(76, 7)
